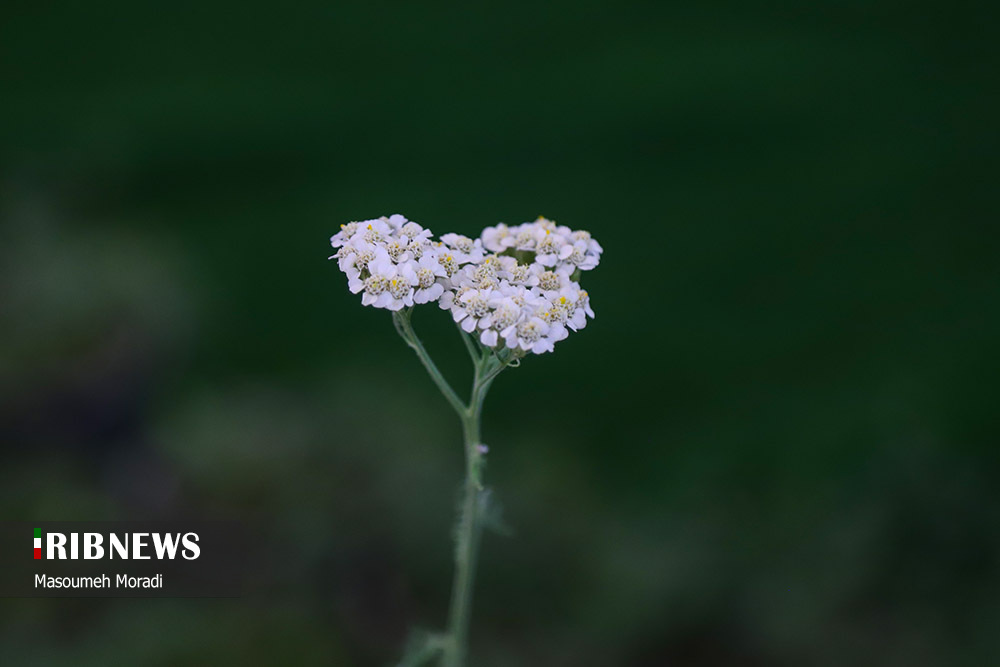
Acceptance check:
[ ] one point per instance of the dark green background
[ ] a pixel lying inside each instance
(774, 446)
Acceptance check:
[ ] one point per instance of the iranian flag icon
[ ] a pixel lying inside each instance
(38, 543)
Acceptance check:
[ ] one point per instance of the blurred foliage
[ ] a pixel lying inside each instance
(774, 445)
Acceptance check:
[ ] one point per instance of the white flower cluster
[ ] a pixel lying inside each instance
(513, 287)
(391, 260)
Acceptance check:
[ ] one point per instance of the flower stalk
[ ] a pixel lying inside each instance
(512, 292)
(469, 527)
(468, 533)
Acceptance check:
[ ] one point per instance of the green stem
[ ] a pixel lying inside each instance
(469, 529)
(470, 346)
(467, 536)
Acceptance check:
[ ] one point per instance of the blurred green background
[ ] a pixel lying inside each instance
(774, 446)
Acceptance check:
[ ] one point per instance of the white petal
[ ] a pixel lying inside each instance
(541, 346)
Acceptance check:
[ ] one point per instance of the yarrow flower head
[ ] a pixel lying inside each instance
(549, 244)
(514, 287)
(390, 261)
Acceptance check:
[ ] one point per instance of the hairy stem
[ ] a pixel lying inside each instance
(469, 528)
(467, 534)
